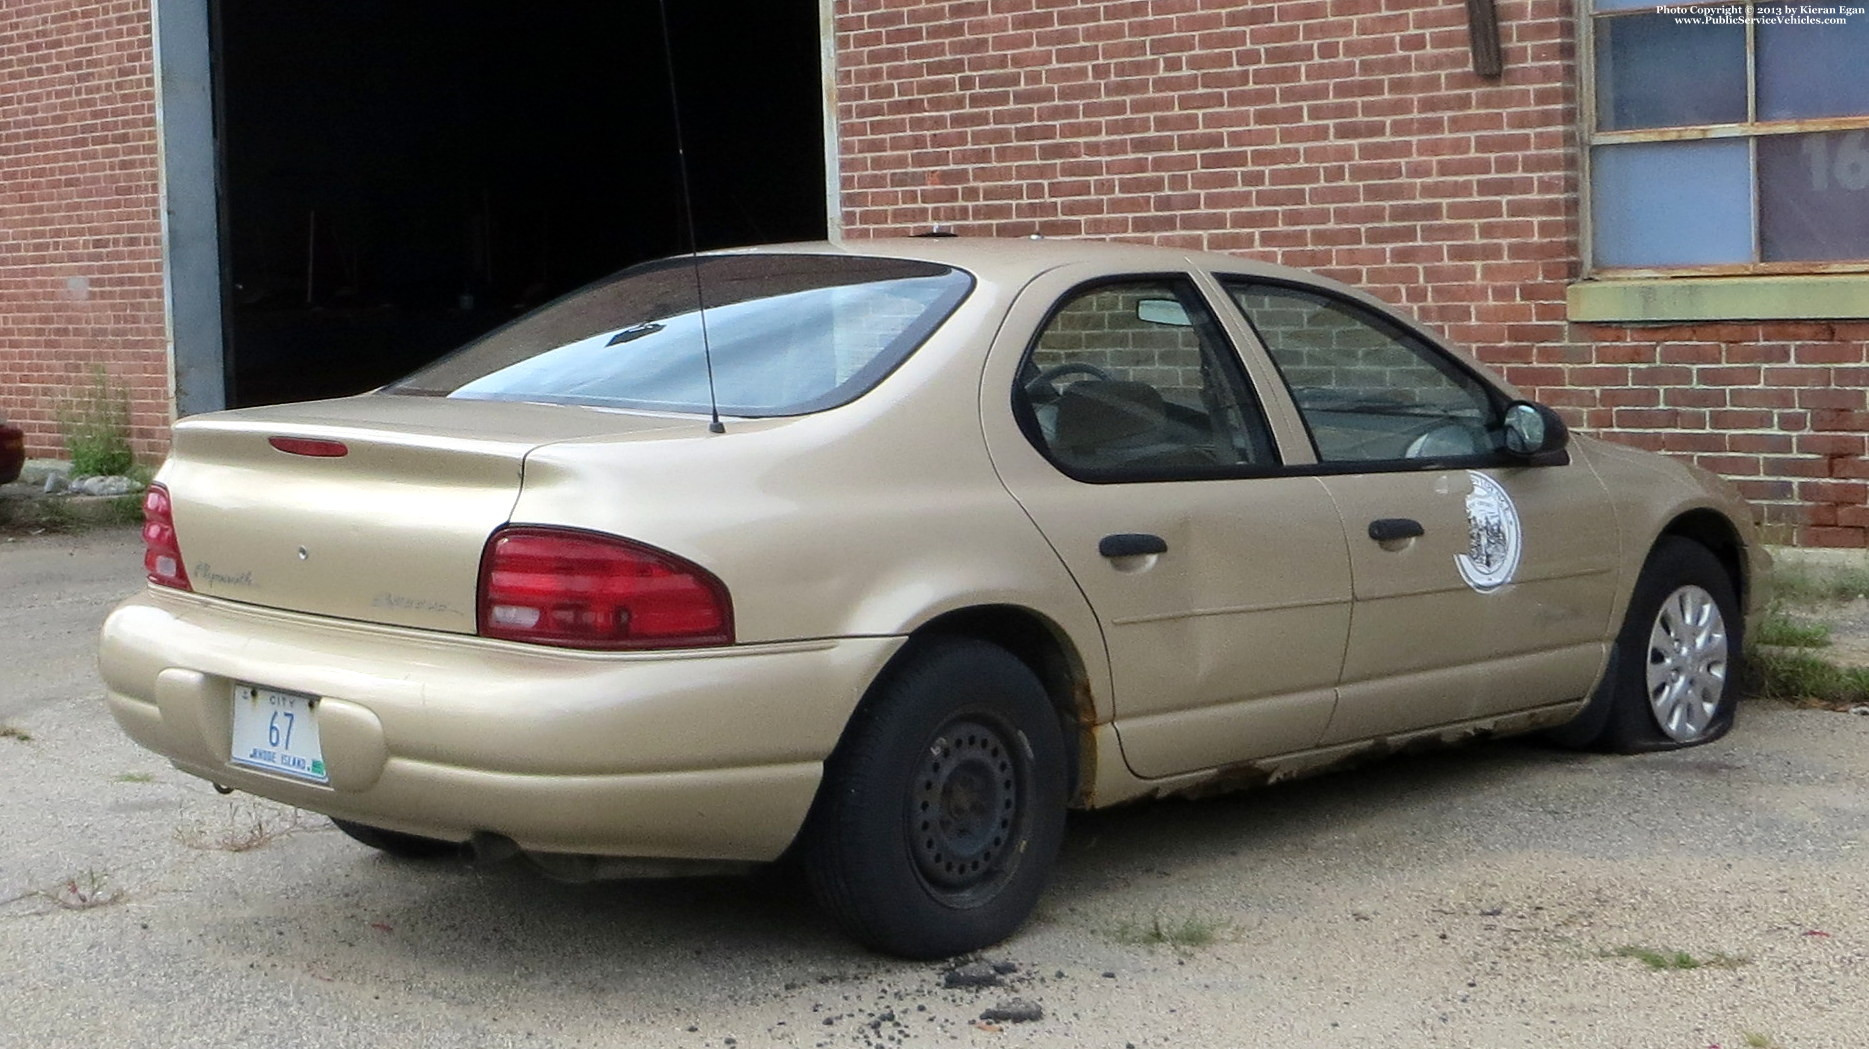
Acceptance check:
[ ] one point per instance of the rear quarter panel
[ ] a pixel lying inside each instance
(866, 520)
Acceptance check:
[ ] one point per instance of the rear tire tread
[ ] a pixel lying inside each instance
(851, 861)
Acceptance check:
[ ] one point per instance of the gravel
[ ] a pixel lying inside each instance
(1489, 897)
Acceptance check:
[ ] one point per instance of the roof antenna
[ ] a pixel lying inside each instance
(687, 210)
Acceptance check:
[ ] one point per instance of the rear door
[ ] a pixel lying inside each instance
(1222, 587)
(1483, 584)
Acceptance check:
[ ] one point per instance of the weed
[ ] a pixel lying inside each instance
(1665, 960)
(1802, 584)
(1800, 677)
(136, 777)
(56, 515)
(246, 829)
(125, 509)
(9, 732)
(96, 428)
(83, 891)
(1777, 628)
(1760, 1040)
(1191, 931)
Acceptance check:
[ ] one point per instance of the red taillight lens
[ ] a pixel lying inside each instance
(555, 586)
(162, 555)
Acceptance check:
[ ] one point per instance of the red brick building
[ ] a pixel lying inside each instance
(1659, 226)
(81, 249)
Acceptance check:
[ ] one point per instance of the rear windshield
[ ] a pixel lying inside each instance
(787, 334)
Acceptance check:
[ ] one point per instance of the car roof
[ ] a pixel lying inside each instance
(1019, 260)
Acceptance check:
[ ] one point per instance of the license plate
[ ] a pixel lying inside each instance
(275, 731)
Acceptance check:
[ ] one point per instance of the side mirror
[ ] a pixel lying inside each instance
(1536, 434)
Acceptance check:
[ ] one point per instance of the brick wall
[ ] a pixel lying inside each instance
(1350, 137)
(80, 234)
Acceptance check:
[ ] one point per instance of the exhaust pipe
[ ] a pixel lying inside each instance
(486, 848)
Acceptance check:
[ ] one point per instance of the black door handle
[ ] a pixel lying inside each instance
(1384, 529)
(1131, 544)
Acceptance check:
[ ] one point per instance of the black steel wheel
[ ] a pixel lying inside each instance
(943, 808)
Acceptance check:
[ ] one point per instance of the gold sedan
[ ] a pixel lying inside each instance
(880, 556)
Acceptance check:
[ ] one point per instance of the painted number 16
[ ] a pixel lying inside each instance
(1849, 167)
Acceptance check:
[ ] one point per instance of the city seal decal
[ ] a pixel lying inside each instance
(1494, 539)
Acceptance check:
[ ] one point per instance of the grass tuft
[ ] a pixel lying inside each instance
(1760, 1040)
(96, 427)
(136, 777)
(247, 828)
(86, 890)
(1779, 629)
(56, 515)
(1191, 931)
(10, 732)
(1805, 679)
(125, 509)
(1803, 584)
(1663, 960)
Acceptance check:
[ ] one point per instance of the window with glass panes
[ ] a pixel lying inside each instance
(1729, 137)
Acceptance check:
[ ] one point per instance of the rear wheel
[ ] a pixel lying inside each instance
(396, 843)
(1676, 676)
(943, 808)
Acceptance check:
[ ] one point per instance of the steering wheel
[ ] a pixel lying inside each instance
(1443, 441)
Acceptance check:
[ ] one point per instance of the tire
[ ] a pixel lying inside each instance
(943, 807)
(1676, 675)
(396, 843)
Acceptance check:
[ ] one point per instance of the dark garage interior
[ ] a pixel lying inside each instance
(398, 176)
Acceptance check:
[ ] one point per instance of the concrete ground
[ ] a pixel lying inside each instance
(1498, 896)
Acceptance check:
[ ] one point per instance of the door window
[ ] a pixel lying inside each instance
(1368, 390)
(1134, 381)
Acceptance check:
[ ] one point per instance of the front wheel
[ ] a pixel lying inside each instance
(1676, 675)
(943, 808)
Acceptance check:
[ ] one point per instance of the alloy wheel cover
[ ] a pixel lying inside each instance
(1687, 663)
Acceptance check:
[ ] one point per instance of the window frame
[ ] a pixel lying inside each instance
(871, 374)
(1440, 357)
(1752, 130)
(1210, 327)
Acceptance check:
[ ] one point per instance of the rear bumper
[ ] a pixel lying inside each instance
(708, 754)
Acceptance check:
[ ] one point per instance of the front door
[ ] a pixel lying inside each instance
(1482, 585)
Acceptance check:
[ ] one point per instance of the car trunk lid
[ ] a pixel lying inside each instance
(373, 508)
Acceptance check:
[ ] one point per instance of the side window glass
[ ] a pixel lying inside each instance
(1134, 381)
(1368, 392)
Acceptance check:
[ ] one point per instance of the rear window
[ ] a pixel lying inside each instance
(787, 334)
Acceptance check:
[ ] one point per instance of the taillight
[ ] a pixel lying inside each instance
(556, 586)
(309, 446)
(162, 555)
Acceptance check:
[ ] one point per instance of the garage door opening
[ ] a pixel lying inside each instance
(397, 176)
